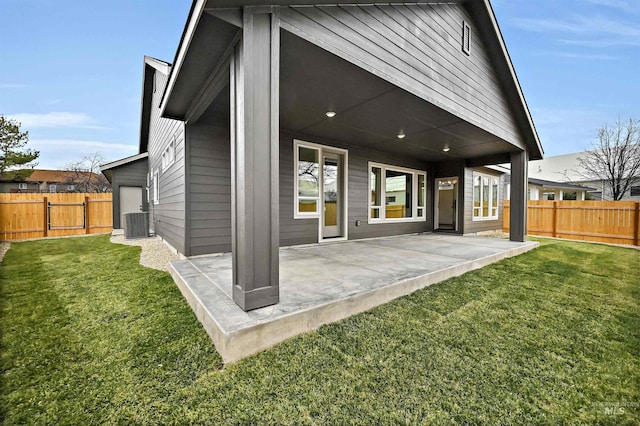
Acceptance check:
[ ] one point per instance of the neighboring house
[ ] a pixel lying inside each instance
(566, 168)
(284, 123)
(540, 189)
(51, 181)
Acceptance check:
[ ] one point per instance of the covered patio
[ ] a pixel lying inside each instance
(323, 283)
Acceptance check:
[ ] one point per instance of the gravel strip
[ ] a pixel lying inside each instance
(155, 253)
(4, 246)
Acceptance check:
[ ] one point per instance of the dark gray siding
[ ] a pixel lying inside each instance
(131, 174)
(168, 216)
(418, 48)
(209, 197)
(305, 231)
(471, 226)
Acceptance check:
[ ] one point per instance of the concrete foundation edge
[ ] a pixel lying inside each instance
(242, 343)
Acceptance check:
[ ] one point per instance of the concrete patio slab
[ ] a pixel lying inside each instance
(324, 283)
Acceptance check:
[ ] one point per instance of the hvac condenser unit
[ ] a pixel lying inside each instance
(136, 225)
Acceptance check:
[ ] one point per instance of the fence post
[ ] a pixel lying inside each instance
(46, 215)
(636, 224)
(554, 232)
(86, 214)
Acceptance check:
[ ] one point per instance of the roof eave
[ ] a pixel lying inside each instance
(536, 152)
(196, 11)
(150, 65)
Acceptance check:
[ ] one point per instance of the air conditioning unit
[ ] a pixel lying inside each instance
(136, 225)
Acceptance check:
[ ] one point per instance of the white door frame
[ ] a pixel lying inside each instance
(344, 187)
(343, 213)
(436, 213)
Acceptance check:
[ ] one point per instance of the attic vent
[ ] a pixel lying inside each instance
(466, 38)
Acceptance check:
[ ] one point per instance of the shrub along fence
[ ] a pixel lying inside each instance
(614, 222)
(24, 216)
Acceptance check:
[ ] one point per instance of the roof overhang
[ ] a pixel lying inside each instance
(151, 65)
(107, 168)
(212, 26)
(488, 26)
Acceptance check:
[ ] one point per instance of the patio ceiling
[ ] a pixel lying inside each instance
(369, 110)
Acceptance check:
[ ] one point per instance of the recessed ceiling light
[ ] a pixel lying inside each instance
(446, 149)
(330, 114)
(401, 135)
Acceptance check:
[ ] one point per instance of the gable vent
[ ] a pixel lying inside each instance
(466, 38)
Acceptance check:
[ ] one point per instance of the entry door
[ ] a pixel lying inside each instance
(447, 204)
(332, 200)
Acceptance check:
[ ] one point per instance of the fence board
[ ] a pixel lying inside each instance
(599, 221)
(24, 216)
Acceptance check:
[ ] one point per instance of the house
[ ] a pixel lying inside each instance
(285, 123)
(51, 181)
(540, 189)
(566, 169)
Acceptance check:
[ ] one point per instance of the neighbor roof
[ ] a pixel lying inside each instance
(549, 184)
(558, 185)
(51, 176)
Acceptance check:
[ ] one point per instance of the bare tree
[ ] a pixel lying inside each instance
(615, 157)
(85, 175)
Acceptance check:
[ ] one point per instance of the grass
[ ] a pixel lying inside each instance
(552, 336)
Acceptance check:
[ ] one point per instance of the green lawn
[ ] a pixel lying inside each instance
(553, 336)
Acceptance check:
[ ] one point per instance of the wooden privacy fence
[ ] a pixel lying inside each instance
(614, 222)
(24, 216)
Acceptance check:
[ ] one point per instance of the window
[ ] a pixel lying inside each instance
(22, 186)
(307, 181)
(396, 194)
(485, 197)
(169, 154)
(156, 188)
(635, 191)
(52, 188)
(71, 187)
(466, 38)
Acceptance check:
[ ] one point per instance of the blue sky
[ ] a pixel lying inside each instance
(71, 71)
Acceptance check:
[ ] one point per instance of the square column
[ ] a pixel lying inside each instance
(254, 83)
(518, 203)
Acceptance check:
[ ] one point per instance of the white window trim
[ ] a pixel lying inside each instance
(23, 185)
(473, 207)
(414, 194)
(156, 187)
(53, 188)
(466, 38)
(321, 149)
(169, 154)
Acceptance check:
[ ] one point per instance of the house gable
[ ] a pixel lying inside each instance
(154, 75)
(404, 44)
(419, 49)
